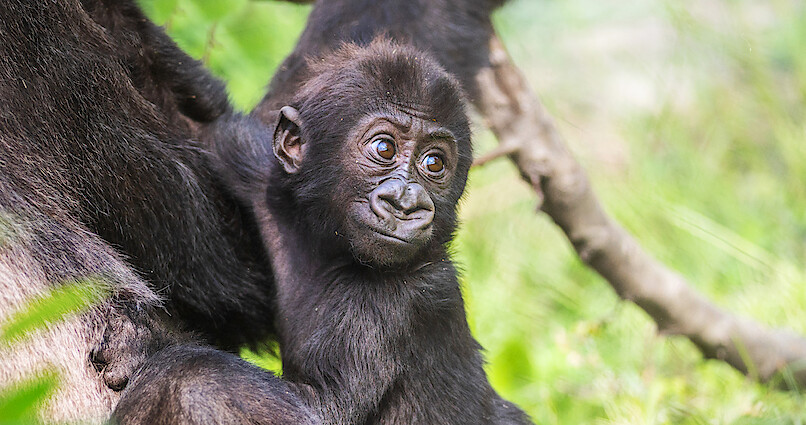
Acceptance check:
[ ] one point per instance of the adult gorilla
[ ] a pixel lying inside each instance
(98, 178)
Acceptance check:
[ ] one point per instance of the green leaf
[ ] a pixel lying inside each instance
(214, 10)
(53, 307)
(268, 359)
(160, 11)
(20, 403)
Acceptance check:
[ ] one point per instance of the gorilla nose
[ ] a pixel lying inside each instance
(405, 201)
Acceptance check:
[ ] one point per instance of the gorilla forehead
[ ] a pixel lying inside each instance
(382, 77)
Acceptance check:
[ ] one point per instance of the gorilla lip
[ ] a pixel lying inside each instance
(393, 237)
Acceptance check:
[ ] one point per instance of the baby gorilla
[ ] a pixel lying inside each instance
(356, 200)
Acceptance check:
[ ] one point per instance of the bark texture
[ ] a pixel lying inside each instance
(529, 137)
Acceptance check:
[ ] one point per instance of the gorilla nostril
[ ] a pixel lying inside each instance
(410, 210)
(381, 205)
(391, 200)
(415, 198)
(396, 198)
(384, 200)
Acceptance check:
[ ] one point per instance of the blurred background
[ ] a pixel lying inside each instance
(689, 115)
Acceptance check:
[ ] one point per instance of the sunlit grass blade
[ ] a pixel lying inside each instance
(52, 307)
(720, 236)
(269, 359)
(20, 403)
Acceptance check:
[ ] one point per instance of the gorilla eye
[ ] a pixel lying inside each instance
(385, 148)
(433, 163)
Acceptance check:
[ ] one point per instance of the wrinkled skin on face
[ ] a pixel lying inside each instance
(399, 163)
(377, 171)
(403, 159)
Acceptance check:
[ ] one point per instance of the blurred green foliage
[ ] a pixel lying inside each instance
(54, 306)
(21, 401)
(689, 116)
(241, 41)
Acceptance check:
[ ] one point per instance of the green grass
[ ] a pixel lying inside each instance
(689, 116)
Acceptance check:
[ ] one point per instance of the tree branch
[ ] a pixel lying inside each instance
(528, 135)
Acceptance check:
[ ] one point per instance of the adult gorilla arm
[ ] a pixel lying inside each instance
(201, 251)
(41, 251)
(57, 88)
(98, 181)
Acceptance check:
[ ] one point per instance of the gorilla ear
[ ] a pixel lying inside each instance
(288, 145)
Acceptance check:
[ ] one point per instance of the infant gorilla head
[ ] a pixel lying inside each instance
(375, 149)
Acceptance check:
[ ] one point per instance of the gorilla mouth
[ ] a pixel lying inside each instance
(388, 235)
(410, 231)
(388, 240)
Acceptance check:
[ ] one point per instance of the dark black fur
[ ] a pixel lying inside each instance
(196, 245)
(360, 343)
(365, 345)
(384, 347)
(96, 155)
(98, 178)
(372, 344)
(200, 385)
(455, 32)
(183, 90)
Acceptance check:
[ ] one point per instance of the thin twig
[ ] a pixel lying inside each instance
(497, 152)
